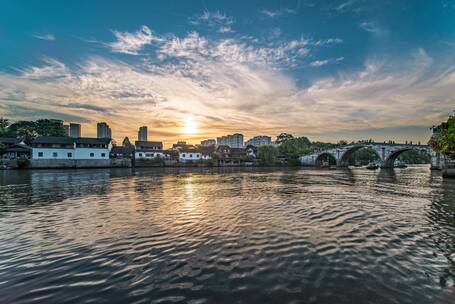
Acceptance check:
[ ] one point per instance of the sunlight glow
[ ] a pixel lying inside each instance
(190, 126)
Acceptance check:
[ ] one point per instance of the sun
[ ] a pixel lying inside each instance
(190, 126)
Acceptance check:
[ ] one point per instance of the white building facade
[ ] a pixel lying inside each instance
(259, 141)
(232, 140)
(61, 148)
(150, 154)
(189, 155)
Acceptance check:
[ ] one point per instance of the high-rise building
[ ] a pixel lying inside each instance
(233, 141)
(74, 130)
(208, 143)
(258, 141)
(103, 130)
(142, 134)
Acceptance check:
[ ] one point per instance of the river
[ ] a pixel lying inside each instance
(227, 236)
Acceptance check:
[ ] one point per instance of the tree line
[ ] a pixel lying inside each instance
(443, 139)
(28, 130)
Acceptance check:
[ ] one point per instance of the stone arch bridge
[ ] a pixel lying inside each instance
(387, 153)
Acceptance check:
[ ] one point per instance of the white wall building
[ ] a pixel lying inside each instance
(150, 154)
(48, 147)
(186, 155)
(258, 141)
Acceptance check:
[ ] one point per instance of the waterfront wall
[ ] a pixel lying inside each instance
(71, 163)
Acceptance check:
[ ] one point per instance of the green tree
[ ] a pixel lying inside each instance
(283, 137)
(267, 155)
(49, 127)
(4, 123)
(126, 142)
(443, 139)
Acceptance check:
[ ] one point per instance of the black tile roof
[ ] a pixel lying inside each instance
(53, 140)
(69, 140)
(149, 144)
(9, 140)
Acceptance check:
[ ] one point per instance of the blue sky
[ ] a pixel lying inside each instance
(325, 69)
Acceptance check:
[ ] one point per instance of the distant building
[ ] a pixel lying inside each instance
(14, 148)
(121, 152)
(148, 145)
(150, 154)
(227, 156)
(74, 130)
(67, 130)
(189, 155)
(232, 141)
(258, 141)
(103, 130)
(182, 145)
(142, 134)
(208, 143)
(51, 147)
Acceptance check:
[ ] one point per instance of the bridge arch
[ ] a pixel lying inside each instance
(325, 156)
(346, 156)
(391, 157)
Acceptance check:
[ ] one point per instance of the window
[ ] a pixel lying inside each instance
(54, 154)
(183, 155)
(191, 155)
(103, 154)
(92, 154)
(40, 154)
(197, 155)
(70, 154)
(140, 154)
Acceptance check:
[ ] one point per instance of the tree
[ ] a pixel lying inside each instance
(4, 123)
(283, 137)
(28, 130)
(443, 139)
(27, 133)
(342, 142)
(267, 155)
(49, 127)
(126, 142)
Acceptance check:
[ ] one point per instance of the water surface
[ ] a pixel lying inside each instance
(227, 236)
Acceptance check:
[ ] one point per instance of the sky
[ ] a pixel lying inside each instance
(192, 70)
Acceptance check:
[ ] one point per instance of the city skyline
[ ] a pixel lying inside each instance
(193, 71)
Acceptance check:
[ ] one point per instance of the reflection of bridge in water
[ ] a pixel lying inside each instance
(387, 153)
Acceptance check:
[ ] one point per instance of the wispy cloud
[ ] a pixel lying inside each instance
(372, 27)
(318, 63)
(48, 37)
(277, 13)
(131, 43)
(194, 46)
(215, 20)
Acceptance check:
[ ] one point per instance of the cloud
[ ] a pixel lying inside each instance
(52, 69)
(214, 20)
(194, 47)
(318, 63)
(231, 85)
(131, 43)
(277, 13)
(48, 37)
(372, 27)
